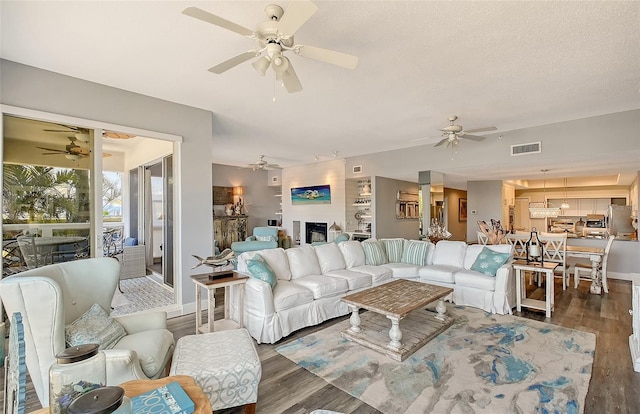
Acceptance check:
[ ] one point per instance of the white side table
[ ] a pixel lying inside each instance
(205, 281)
(520, 266)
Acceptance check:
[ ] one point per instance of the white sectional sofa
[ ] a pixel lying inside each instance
(312, 279)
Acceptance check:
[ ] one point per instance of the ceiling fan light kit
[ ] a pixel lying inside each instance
(453, 132)
(275, 37)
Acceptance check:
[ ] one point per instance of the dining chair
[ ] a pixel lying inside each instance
(519, 243)
(482, 238)
(582, 270)
(555, 251)
(32, 258)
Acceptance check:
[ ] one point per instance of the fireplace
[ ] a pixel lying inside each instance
(315, 232)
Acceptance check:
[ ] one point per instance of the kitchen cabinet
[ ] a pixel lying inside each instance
(580, 207)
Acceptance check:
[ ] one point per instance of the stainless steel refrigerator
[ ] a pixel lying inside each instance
(620, 221)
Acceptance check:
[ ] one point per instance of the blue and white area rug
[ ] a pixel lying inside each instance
(140, 294)
(483, 363)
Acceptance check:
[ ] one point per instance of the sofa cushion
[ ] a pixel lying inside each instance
(403, 270)
(488, 261)
(450, 253)
(287, 295)
(430, 253)
(394, 249)
(95, 326)
(329, 257)
(471, 278)
(374, 252)
(379, 274)
(303, 262)
(259, 269)
(439, 273)
(323, 286)
(353, 253)
(415, 252)
(278, 261)
(356, 280)
(474, 250)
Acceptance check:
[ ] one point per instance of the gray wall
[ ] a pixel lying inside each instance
(458, 229)
(259, 199)
(33, 88)
(387, 225)
(485, 197)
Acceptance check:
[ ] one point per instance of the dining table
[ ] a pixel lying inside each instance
(594, 254)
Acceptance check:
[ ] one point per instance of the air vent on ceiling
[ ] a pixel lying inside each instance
(357, 169)
(530, 148)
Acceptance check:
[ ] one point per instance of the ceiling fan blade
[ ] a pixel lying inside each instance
(472, 137)
(291, 81)
(297, 13)
(53, 149)
(53, 153)
(218, 21)
(233, 62)
(489, 128)
(442, 141)
(328, 56)
(57, 130)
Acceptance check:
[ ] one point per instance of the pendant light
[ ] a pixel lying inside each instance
(564, 204)
(544, 209)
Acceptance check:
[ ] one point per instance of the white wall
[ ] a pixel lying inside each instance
(485, 197)
(33, 88)
(259, 199)
(387, 224)
(329, 172)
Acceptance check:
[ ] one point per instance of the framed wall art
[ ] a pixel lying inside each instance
(317, 194)
(462, 209)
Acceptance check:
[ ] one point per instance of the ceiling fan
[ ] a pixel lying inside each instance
(263, 165)
(275, 37)
(453, 132)
(82, 134)
(72, 151)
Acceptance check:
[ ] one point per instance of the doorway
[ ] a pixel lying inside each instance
(157, 225)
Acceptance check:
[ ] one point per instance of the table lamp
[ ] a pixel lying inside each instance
(535, 248)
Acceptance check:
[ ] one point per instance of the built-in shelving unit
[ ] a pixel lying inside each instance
(359, 212)
(407, 205)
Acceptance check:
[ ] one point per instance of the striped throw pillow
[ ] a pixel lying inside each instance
(374, 253)
(394, 249)
(415, 252)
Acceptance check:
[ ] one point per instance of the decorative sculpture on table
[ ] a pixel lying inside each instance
(494, 232)
(216, 261)
(535, 248)
(437, 231)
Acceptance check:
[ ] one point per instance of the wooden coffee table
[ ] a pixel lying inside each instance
(395, 301)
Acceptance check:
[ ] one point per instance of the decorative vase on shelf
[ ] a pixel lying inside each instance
(228, 209)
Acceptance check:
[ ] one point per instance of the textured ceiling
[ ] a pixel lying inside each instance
(512, 64)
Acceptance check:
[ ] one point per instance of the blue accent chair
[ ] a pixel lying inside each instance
(263, 238)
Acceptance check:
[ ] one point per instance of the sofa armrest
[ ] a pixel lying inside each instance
(504, 278)
(258, 297)
(139, 322)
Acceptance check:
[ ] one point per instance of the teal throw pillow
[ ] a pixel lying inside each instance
(394, 249)
(488, 261)
(374, 253)
(95, 326)
(259, 269)
(415, 252)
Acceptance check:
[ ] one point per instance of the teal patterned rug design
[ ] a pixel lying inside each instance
(140, 294)
(484, 363)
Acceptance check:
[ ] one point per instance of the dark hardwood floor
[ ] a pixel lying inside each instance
(614, 387)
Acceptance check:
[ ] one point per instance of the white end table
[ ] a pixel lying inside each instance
(520, 266)
(205, 281)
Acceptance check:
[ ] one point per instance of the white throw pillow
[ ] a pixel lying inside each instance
(353, 253)
(329, 257)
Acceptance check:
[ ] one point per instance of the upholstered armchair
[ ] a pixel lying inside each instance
(262, 238)
(51, 297)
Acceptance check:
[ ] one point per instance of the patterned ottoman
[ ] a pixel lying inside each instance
(224, 364)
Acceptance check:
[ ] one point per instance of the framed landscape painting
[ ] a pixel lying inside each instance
(462, 209)
(317, 194)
